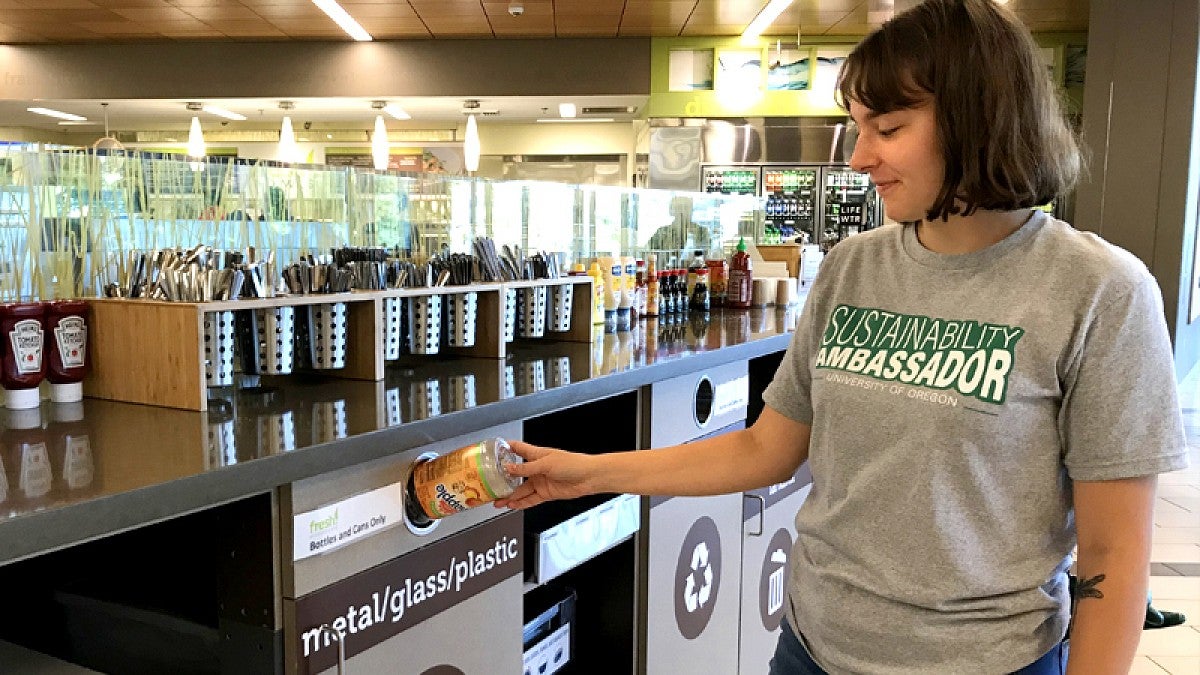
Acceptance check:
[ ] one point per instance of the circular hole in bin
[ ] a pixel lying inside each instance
(414, 518)
(703, 401)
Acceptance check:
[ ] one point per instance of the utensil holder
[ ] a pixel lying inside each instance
(327, 335)
(531, 377)
(560, 308)
(425, 320)
(276, 433)
(461, 316)
(462, 392)
(560, 371)
(275, 335)
(510, 314)
(218, 348)
(328, 421)
(222, 444)
(510, 383)
(531, 312)
(425, 400)
(393, 328)
(392, 406)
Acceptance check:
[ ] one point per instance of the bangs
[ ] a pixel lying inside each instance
(882, 77)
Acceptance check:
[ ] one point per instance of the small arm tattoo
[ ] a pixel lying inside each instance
(1088, 588)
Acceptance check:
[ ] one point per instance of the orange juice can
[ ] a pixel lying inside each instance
(468, 477)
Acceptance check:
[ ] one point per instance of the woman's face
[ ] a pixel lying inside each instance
(901, 152)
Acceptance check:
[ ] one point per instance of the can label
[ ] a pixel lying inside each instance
(26, 339)
(453, 483)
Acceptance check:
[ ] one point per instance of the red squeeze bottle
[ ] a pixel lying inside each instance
(22, 337)
(737, 290)
(66, 349)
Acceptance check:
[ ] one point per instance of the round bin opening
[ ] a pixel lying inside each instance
(414, 518)
(703, 401)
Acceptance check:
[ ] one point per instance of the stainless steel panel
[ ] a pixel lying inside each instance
(304, 576)
(672, 403)
(675, 158)
(691, 617)
(764, 582)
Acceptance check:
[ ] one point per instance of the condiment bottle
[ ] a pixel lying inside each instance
(681, 291)
(694, 266)
(597, 293)
(718, 278)
(640, 292)
(66, 326)
(71, 448)
(468, 477)
(21, 325)
(741, 278)
(29, 458)
(652, 286)
(700, 300)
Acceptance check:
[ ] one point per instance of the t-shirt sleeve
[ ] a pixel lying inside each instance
(1120, 415)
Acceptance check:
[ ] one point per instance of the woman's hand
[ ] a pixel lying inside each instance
(549, 473)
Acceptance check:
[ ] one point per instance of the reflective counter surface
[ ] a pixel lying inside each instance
(69, 473)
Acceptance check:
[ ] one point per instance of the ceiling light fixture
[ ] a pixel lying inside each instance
(221, 112)
(396, 112)
(287, 151)
(880, 11)
(471, 146)
(380, 148)
(58, 113)
(196, 148)
(343, 19)
(567, 110)
(766, 16)
(551, 120)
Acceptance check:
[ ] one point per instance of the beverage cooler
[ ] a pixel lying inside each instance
(730, 180)
(792, 203)
(849, 205)
(800, 197)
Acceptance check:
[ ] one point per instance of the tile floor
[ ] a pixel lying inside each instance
(1175, 572)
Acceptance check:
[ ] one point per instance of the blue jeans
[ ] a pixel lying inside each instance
(791, 658)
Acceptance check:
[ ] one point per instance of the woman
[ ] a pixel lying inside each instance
(1021, 394)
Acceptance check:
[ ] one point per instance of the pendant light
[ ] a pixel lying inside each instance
(471, 146)
(287, 151)
(380, 148)
(379, 145)
(195, 145)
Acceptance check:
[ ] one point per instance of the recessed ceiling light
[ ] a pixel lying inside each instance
(550, 120)
(567, 110)
(221, 112)
(77, 124)
(58, 113)
(343, 19)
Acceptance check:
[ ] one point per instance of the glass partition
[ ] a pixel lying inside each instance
(70, 219)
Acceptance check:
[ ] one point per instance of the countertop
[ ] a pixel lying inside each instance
(140, 464)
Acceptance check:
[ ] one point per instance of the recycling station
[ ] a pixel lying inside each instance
(273, 534)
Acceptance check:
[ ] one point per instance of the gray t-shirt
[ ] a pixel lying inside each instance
(953, 399)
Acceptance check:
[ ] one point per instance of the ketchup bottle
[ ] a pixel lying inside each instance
(741, 279)
(22, 337)
(66, 347)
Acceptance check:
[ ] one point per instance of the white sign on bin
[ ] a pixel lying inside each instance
(350, 520)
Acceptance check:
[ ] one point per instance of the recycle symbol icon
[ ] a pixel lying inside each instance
(694, 598)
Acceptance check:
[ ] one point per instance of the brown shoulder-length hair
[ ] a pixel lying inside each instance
(1000, 120)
